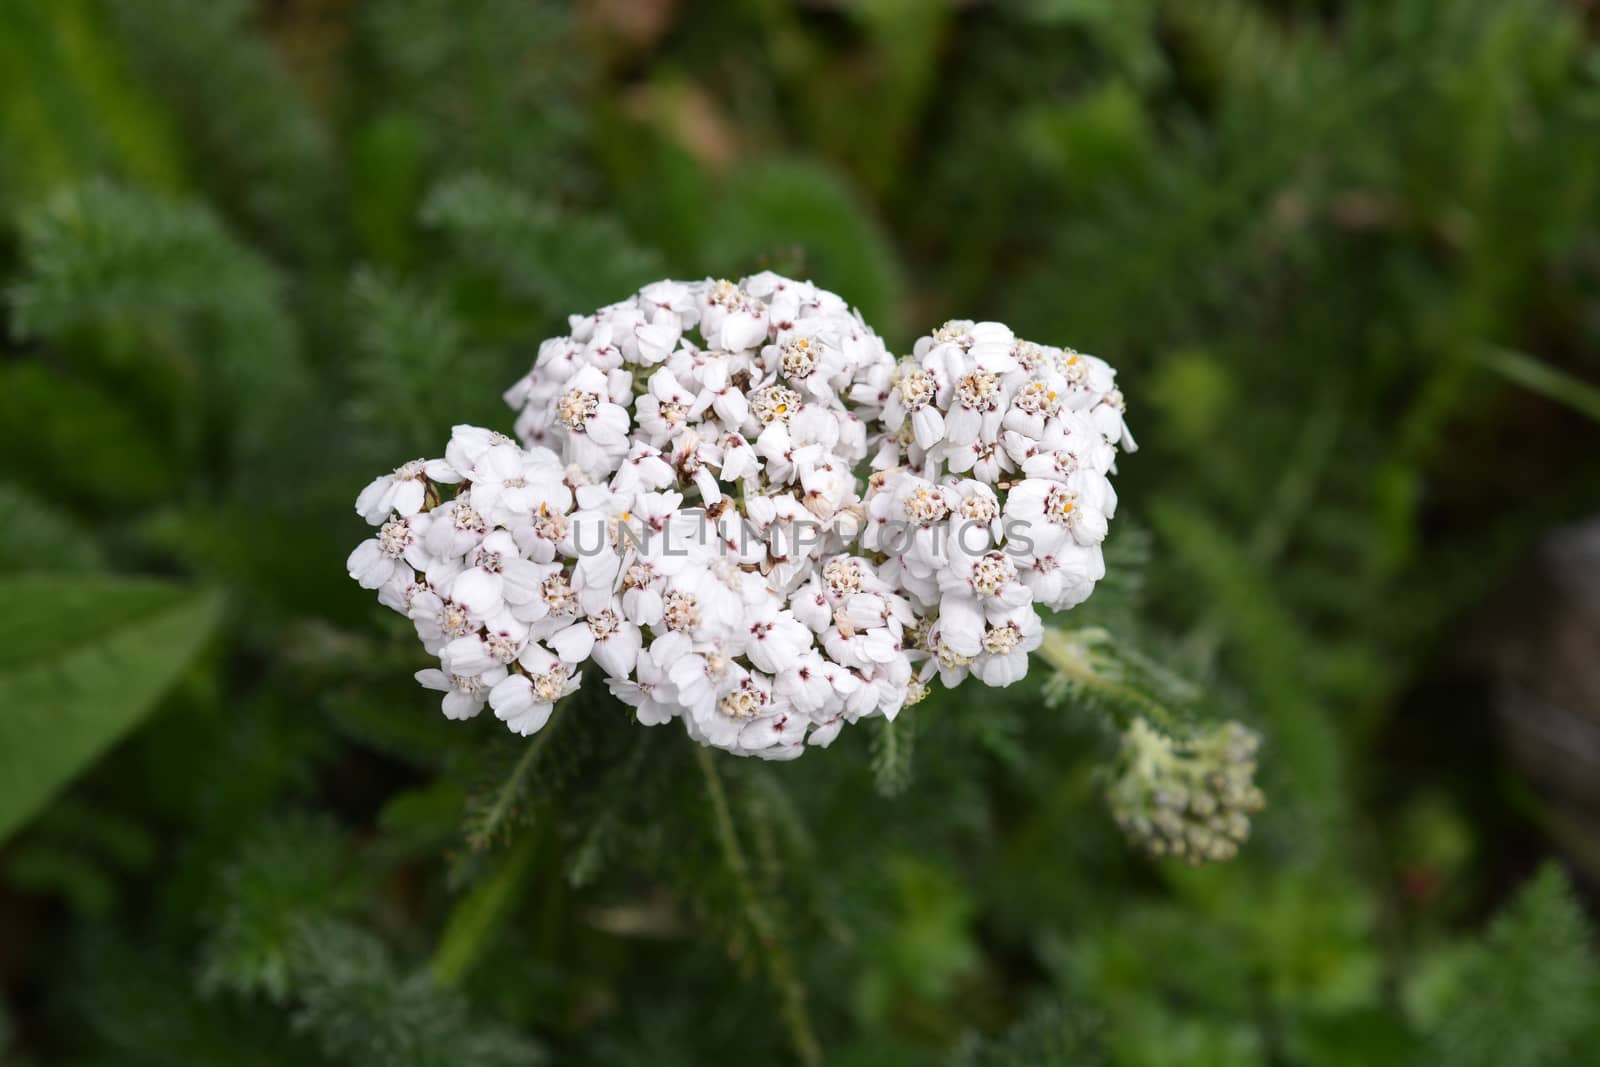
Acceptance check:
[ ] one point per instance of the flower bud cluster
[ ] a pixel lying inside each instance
(686, 509)
(1191, 800)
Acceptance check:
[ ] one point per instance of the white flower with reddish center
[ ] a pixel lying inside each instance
(773, 637)
(732, 318)
(1003, 649)
(397, 551)
(1056, 513)
(439, 620)
(456, 529)
(510, 485)
(978, 408)
(499, 642)
(651, 696)
(524, 701)
(663, 412)
(913, 397)
(465, 696)
(605, 636)
(1064, 579)
(592, 426)
(499, 578)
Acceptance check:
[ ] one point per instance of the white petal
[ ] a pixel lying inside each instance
(574, 643)
(961, 625)
(479, 592)
(461, 705)
(618, 653)
(373, 503)
(512, 695)
(468, 656)
(408, 497)
(520, 581)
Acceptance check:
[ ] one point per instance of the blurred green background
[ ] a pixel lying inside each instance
(1346, 256)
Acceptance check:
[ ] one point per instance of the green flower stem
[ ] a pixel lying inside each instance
(780, 967)
(499, 813)
(477, 915)
(1539, 377)
(1071, 653)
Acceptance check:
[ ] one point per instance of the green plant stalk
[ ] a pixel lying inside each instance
(780, 967)
(478, 914)
(506, 796)
(1539, 377)
(1071, 652)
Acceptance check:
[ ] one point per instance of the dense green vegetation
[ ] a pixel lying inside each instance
(1345, 254)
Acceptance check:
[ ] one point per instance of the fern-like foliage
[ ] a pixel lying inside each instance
(254, 252)
(1095, 672)
(288, 874)
(131, 1003)
(537, 254)
(1271, 653)
(165, 298)
(1051, 1035)
(514, 776)
(360, 1008)
(276, 933)
(417, 369)
(1525, 997)
(266, 155)
(489, 84)
(635, 781)
(76, 851)
(893, 748)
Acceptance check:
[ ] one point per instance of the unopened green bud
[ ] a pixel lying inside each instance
(1191, 798)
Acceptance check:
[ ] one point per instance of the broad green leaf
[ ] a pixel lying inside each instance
(82, 659)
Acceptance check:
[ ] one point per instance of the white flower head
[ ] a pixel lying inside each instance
(684, 508)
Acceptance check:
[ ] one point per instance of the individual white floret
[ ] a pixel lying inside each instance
(403, 491)
(524, 701)
(464, 697)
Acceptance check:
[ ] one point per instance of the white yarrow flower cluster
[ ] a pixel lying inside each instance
(686, 510)
(992, 495)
